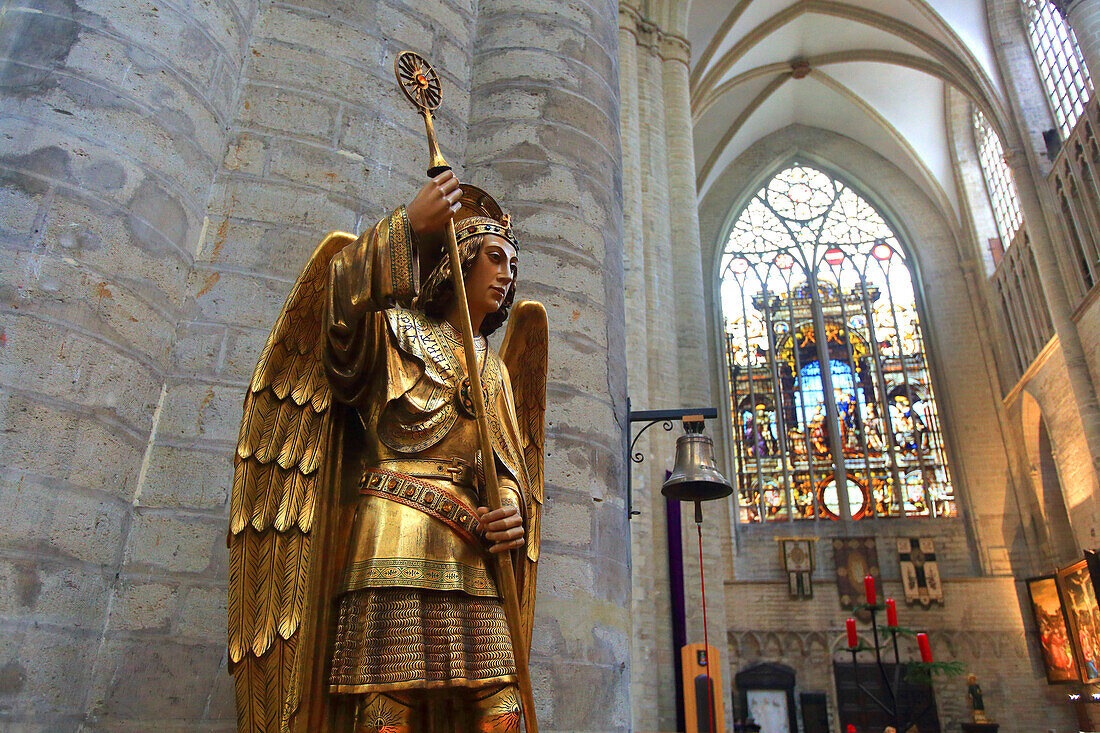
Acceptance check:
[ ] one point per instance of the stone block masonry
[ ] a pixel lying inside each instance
(115, 120)
(165, 171)
(544, 128)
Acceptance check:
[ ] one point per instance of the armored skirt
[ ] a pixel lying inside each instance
(398, 639)
(418, 610)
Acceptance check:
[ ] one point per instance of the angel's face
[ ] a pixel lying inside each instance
(490, 279)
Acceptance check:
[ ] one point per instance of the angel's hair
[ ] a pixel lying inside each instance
(438, 290)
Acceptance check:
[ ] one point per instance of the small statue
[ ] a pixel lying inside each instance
(362, 596)
(974, 695)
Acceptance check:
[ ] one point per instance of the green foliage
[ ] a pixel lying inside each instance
(901, 631)
(921, 673)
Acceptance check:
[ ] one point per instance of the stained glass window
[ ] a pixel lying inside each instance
(1061, 65)
(998, 180)
(832, 401)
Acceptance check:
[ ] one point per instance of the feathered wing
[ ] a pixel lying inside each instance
(284, 442)
(525, 352)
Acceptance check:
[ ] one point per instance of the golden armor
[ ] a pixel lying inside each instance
(361, 589)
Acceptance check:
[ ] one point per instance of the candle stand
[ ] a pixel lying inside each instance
(892, 705)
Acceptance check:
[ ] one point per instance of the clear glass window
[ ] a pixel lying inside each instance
(1061, 65)
(998, 180)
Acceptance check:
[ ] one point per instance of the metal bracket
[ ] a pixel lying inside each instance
(651, 418)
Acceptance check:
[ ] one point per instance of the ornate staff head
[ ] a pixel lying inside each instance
(421, 86)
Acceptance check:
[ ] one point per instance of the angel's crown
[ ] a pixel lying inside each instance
(480, 214)
(475, 226)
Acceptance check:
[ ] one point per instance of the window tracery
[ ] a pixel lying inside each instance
(998, 180)
(1061, 64)
(830, 392)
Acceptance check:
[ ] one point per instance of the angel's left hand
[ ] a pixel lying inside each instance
(503, 527)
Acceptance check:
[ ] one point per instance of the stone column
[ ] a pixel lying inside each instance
(646, 567)
(1082, 517)
(693, 356)
(687, 275)
(1083, 17)
(544, 138)
(660, 362)
(115, 122)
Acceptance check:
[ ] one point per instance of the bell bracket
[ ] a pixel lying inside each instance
(693, 420)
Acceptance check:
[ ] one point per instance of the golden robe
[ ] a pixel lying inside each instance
(419, 606)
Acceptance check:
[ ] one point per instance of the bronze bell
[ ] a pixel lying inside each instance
(695, 477)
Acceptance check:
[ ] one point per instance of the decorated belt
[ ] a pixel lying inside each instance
(423, 497)
(455, 470)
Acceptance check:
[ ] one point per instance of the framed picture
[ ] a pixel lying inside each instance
(1083, 618)
(1054, 637)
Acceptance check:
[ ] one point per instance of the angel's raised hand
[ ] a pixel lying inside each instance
(434, 205)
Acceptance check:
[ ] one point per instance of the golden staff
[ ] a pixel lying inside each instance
(418, 80)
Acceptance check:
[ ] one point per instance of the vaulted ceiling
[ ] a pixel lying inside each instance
(874, 70)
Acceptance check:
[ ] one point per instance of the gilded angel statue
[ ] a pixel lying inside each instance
(362, 596)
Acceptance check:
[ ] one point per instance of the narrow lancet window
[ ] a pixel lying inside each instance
(1061, 64)
(998, 180)
(832, 404)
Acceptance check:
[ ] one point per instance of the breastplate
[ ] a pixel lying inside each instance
(422, 417)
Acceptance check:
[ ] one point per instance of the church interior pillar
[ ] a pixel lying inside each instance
(544, 133)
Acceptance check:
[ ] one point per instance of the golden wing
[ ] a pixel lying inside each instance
(525, 352)
(284, 441)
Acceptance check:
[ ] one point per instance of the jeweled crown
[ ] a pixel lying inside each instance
(475, 226)
(480, 214)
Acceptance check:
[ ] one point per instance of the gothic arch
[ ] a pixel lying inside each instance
(737, 81)
(958, 354)
(881, 463)
(975, 209)
(1045, 474)
(958, 65)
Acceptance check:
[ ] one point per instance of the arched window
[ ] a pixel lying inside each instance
(830, 392)
(998, 180)
(1061, 65)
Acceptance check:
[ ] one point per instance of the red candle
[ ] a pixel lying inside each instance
(891, 612)
(850, 624)
(869, 588)
(925, 648)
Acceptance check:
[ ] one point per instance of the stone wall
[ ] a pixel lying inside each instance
(664, 277)
(1049, 386)
(544, 132)
(165, 171)
(984, 623)
(115, 123)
